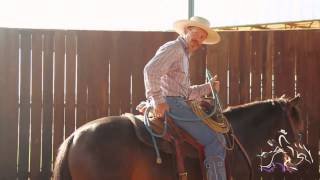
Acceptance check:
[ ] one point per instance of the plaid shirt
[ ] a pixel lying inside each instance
(167, 74)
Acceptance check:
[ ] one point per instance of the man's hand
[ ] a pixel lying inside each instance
(215, 83)
(160, 109)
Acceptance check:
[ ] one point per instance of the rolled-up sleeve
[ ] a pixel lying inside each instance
(158, 66)
(197, 91)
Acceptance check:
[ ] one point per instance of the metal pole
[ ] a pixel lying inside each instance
(190, 8)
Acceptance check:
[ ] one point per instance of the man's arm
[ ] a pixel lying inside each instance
(157, 67)
(198, 91)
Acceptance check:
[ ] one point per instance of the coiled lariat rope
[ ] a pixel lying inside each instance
(220, 124)
(153, 134)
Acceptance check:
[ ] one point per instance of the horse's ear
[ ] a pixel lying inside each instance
(294, 101)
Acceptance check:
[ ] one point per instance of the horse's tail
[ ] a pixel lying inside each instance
(61, 169)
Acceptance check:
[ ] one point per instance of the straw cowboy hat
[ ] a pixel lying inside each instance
(180, 25)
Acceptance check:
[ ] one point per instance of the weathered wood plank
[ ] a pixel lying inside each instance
(24, 122)
(71, 65)
(47, 105)
(9, 81)
(36, 106)
(59, 73)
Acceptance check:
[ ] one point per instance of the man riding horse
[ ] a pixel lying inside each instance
(167, 85)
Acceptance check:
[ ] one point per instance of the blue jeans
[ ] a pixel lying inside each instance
(212, 141)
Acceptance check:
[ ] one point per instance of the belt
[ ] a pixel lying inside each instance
(182, 97)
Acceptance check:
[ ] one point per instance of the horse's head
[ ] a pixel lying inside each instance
(291, 115)
(269, 129)
(286, 150)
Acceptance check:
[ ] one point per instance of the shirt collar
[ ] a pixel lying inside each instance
(184, 44)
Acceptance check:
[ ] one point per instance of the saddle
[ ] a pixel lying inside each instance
(176, 142)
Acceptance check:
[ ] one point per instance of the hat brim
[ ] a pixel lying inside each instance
(213, 36)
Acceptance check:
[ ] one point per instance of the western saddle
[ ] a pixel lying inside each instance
(174, 137)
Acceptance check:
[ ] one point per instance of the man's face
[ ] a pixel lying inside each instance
(195, 37)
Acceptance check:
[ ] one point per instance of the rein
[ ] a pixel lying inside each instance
(245, 154)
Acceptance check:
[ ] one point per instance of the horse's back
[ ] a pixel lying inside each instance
(107, 148)
(102, 146)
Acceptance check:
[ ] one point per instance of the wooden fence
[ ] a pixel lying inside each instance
(52, 82)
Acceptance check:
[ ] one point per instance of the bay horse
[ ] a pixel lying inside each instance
(108, 149)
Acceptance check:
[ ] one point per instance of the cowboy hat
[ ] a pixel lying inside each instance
(180, 25)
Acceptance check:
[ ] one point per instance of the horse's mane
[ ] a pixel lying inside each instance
(275, 105)
(272, 102)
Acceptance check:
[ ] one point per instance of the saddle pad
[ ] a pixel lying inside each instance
(164, 146)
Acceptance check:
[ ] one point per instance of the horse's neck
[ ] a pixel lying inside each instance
(253, 124)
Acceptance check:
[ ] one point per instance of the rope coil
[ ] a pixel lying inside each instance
(220, 124)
